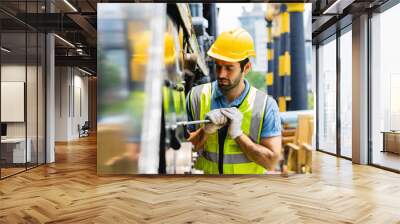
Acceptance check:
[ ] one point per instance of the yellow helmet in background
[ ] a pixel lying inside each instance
(233, 46)
(141, 44)
(169, 49)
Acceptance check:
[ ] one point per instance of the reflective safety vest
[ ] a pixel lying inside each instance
(233, 160)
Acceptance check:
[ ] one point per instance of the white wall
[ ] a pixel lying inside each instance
(62, 81)
(71, 94)
(81, 89)
(14, 73)
(12, 100)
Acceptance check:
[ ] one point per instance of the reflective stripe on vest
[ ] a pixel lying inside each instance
(228, 159)
(235, 161)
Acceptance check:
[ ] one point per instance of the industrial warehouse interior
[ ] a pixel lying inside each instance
(247, 112)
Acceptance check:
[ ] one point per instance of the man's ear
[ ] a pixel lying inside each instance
(247, 68)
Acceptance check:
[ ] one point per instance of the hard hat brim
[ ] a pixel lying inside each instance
(228, 59)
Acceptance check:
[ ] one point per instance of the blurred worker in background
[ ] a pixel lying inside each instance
(244, 135)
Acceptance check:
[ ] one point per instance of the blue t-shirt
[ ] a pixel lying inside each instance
(271, 124)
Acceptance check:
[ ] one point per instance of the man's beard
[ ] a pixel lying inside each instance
(231, 84)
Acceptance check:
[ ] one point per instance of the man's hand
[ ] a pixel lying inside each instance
(235, 117)
(218, 120)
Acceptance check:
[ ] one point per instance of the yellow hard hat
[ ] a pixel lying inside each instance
(233, 46)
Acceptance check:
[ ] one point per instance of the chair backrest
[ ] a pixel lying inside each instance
(86, 125)
(305, 129)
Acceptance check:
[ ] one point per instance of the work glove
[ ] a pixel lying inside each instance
(235, 117)
(218, 120)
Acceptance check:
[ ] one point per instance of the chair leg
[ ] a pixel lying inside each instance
(309, 161)
(293, 160)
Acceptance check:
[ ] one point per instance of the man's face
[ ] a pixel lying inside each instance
(229, 74)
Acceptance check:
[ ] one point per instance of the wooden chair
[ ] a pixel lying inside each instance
(288, 135)
(84, 129)
(298, 155)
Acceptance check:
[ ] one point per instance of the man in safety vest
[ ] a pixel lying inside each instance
(244, 135)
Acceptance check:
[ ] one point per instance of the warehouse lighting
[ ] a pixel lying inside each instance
(84, 71)
(70, 5)
(65, 41)
(5, 50)
(79, 51)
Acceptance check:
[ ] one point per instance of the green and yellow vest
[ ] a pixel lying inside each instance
(234, 160)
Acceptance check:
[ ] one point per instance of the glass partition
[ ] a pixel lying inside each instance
(385, 84)
(14, 153)
(22, 88)
(129, 39)
(327, 96)
(346, 94)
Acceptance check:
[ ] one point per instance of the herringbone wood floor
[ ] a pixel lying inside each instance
(69, 191)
